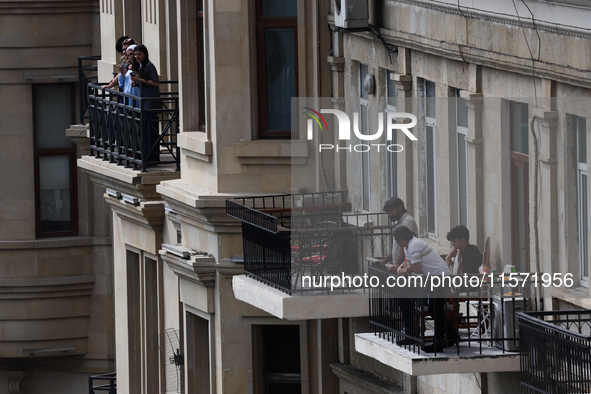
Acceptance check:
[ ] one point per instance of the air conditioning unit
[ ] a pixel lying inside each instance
(504, 322)
(350, 14)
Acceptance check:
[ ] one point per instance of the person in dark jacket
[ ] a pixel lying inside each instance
(146, 75)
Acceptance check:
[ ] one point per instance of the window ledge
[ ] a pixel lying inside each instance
(196, 145)
(272, 152)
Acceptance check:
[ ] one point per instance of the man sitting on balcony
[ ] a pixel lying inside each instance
(468, 257)
(422, 259)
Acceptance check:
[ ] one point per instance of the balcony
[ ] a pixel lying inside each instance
(482, 314)
(132, 142)
(304, 255)
(555, 351)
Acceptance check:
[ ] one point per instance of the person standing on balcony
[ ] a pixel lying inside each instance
(145, 73)
(422, 259)
(121, 46)
(125, 82)
(468, 257)
(394, 207)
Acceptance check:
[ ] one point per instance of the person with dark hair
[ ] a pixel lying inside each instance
(422, 259)
(394, 207)
(146, 75)
(119, 44)
(468, 257)
(122, 45)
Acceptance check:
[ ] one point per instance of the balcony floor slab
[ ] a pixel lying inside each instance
(470, 359)
(297, 307)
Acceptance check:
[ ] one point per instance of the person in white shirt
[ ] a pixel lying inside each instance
(394, 207)
(422, 259)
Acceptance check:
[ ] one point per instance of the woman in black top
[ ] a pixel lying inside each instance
(146, 76)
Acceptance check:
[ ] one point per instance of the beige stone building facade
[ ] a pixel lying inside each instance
(56, 288)
(474, 75)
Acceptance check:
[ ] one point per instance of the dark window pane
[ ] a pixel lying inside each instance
(392, 89)
(582, 129)
(363, 71)
(281, 349)
(53, 115)
(430, 94)
(54, 182)
(462, 111)
(462, 181)
(430, 180)
(281, 77)
(519, 128)
(279, 8)
(365, 165)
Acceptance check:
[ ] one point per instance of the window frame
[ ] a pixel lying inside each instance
(461, 130)
(582, 236)
(365, 156)
(519, 160)
(201, 66)
(391, 157)
(430, 122)
(263, 23)
(39, 153)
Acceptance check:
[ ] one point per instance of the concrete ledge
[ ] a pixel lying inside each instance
(296, 307)
(469, 360)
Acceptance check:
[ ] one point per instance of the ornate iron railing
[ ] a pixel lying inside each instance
(133, 135)
(103, 383)
(482, 314)
(87, 73)
(555, 351)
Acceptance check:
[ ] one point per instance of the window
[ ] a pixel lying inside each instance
(277, 65)
(201, 64)
(518, 114)
(365, 163)
(431, 158)
(276, 359)
(462, 162)
(55, 161)
(391, 157)
(580, 125)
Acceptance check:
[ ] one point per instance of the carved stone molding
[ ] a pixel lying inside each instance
(17, 381)
(506, 19)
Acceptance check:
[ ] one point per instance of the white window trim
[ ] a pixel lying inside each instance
(581, 171)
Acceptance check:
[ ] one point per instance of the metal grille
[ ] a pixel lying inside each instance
(100, 384)
(555, 352)
(173, 362)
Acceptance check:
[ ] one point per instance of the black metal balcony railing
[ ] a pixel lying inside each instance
(87, 73)
(482, 316)
(135, 136)
(106, 383)
(293, 241)
(555, 351)
(125, 129)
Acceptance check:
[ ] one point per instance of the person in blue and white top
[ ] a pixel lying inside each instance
(125, 83)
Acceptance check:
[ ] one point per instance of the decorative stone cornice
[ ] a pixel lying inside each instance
(524, 22)
(336, 63)
(149, 214)
(199, 269)
(17, 381)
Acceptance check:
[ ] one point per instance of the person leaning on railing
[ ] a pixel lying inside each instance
(398, 215)
(422, 259)
(146, 75)
(125, 82)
